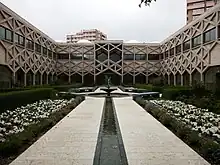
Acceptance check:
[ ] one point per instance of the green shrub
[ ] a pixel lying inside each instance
(211, 150)
(172, 93)
(148, 87)
(12, 100)
(194, 139)
(4, 90)
(165, 119)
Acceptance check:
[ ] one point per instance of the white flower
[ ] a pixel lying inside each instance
(12, 122)
(196, 118)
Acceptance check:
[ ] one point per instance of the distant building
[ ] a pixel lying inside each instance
(90, 35)
(195, 8)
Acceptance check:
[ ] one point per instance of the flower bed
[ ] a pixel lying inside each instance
(197, 119)
(12, 122)
(176, 118)
(38, 118)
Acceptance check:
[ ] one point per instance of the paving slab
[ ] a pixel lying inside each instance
(147, 141)
(72, 141)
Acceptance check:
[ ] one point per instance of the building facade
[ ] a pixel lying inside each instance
(29, 57)
(91, 35)
(195, 8)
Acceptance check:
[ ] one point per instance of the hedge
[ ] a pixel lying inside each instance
(172, 93)
(56, 87)
(12, 100)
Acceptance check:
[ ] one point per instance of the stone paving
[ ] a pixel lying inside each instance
(147, 141)
(70, 142)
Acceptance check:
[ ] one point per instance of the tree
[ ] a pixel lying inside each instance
(146, 2)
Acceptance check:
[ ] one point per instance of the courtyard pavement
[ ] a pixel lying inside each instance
(73, 140)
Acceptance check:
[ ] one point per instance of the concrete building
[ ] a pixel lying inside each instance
(91, 35)
(195, 8)
(29, 57)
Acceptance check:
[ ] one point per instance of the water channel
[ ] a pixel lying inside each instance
(110, 149)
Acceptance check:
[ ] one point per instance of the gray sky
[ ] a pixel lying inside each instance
(119, 19)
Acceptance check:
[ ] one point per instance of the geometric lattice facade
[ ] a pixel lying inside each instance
(31, 57)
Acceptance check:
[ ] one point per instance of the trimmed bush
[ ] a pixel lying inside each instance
(148, 87)
(172, 93)
(12, 100)
(56, 87)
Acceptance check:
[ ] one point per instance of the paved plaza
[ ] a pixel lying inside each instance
(73, 140)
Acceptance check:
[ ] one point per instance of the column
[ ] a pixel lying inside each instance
(25, 79)
(41, 79)
(201, 77)
(69, 79)
(94, 79)
(122, 79)
(146, 79)
(47, 79)
(182, 80)
(168, 79)
(133, 80)
(174, 80)
(33, 79)
(14, 79)
(190, 79)
(82, 79)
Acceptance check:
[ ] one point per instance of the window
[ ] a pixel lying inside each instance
(140, 57)
(2, 33)
(153, 57)
(44, 51)
(37, 48)
(54, 56)
(210, 35)
(9, 35)
(166, 54)
(172, 52)
(178, 49)
(50, 53)
(218, 31)
(186, 45)
(16, 38)
(21, 40)
(30, 44)
(196, 41)
(128, 57)
(62, 56)
(89, 56)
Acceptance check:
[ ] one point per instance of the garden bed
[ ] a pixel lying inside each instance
(23, 126)
(197, 127)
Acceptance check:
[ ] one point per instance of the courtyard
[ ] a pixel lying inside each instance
(109, 130)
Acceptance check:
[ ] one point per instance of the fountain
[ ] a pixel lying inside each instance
(109, 89)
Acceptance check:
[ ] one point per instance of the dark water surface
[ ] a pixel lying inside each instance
(110, 149)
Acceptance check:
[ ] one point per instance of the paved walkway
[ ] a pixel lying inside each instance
(147, 141)
(70, 142)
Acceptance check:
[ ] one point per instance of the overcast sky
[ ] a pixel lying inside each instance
(119, 19)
